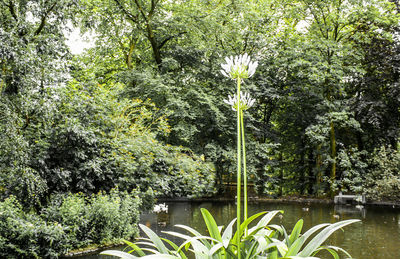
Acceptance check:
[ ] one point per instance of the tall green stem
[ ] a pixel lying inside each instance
(244, 170)
(239, 181)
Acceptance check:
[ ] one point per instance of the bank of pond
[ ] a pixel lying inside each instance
(378, 234)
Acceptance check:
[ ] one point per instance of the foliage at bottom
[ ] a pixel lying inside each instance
(69, 222)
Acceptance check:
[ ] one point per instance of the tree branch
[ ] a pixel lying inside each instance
(12, 10)
(170, 38)
(130, 16)
(146, 18)
(43, 20)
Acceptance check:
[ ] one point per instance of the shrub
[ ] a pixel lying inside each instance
(69, 222)
(383, 179)
(97, 219)
(71, 211)
(112, 217)
(26, 235)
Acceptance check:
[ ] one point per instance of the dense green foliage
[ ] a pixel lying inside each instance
(326, 87)
(143, 109)
(69, 221)
(90, 142)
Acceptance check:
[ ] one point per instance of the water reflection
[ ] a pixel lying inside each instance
(357, 210)
(377, 236)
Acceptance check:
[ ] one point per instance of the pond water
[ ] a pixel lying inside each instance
(377, 236)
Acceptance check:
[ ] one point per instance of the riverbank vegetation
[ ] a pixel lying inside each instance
(143, 111)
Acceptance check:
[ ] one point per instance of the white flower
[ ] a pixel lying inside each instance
(231, 101)
(160, 208)
(239, 67)
(246, 101)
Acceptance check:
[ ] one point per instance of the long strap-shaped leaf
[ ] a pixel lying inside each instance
(323, 235)
(244, 225)
(332, 250)
(120, 254)
(160, 256)
(189, 229)
(227, 235)
(186, 237)
(155, 239)
(174, 246)
(299, 257)
(313, 230)
(267, 218)
(211, 224)
(134, 247)
(296, 232)
(295, 246)
(193, 241)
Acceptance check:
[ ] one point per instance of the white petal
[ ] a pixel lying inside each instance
(251, 102)
(246, 60)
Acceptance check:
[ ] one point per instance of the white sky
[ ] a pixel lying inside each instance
(77, 43)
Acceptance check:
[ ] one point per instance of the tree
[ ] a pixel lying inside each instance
(33, 52)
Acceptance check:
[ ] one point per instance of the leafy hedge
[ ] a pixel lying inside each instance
(70, 221)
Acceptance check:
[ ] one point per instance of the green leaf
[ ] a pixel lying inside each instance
(155, 239)
(189, 229)
(300, 257)
(296, 232)
(295, 247)
(198, 247)
(160, 256)
(174, 246)
(227, 235)
(267, 218)
(323, 235)
(215, 249)
(273, 255)
(245, 224)
(334, 248)
(120, 254)
(134, 247)
(211, 224)
(313, 230)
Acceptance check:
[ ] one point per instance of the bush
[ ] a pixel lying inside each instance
(69, 222)
(383, 179)
(352, 169)
(26, 235)
(96, 219)
(170, 171)
(112, 217)
(71, 211)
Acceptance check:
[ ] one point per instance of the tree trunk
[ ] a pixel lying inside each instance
(154, 45)
(318, 167)
(333, 155)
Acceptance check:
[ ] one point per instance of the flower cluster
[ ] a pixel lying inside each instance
(239, 67)
(245, 101)
(158, 208)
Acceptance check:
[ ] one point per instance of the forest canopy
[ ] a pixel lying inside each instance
(143, 109)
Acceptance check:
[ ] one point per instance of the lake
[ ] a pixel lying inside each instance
(377, 236)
